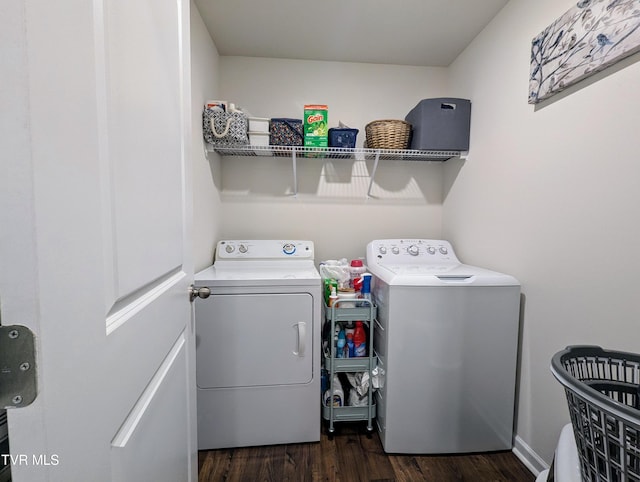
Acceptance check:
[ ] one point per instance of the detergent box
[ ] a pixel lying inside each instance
(316, 128)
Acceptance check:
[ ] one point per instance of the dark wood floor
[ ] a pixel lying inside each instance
(351, 456)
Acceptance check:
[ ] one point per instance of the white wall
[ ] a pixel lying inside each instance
(332, 207)
(549, 194)
(206, 167)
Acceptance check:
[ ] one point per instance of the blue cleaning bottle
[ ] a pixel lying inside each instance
(341, 343)
(351, 347)
(365, 291)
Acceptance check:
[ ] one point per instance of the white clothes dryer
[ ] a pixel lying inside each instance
(258, 345)
(447, 339)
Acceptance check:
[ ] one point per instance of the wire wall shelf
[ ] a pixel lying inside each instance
(336, 153)
(358, 154)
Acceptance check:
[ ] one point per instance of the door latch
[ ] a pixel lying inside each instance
(203, 293)
(17, 366)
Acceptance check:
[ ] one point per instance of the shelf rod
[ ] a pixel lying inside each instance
(295, 173)
(373, 174)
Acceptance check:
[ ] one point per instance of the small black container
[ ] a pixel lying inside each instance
(342, 137)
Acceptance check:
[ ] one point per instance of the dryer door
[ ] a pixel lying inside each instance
(248, 340)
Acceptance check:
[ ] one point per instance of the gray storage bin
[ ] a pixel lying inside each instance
(440, 124)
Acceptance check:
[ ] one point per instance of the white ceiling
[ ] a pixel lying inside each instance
(402, 32)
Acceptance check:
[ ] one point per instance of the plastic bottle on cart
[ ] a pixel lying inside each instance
(340, 344)
(356, 269)
(357, 285)
(360, 340)
(333, 296)
(334, 395)
(349, 328)
(365, 291)
(351, 346)
(335, 334)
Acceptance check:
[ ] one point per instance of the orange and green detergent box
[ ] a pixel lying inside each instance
(316, 127)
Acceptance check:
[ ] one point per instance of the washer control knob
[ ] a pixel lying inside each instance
(229, 248)
(395, 250)
(383, 250)
(431, 250)
(289, 248)
(443, 250)
(413, 250)
(242, 248)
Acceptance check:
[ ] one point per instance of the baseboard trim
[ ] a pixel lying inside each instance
(528, 457)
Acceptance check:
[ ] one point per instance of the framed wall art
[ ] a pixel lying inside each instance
(588, 38)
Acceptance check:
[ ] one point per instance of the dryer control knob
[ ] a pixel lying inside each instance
(242, 248)
(431, 250)
(229, 248)
(383, 250)
(395, 250)
(413, 250)
(289, 248)
(443, 250)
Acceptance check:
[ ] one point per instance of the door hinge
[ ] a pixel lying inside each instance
(17, 366)
(198, 293)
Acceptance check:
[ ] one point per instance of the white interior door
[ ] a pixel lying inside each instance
(96, 191)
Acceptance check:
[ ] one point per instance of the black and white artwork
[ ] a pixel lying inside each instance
(588, 38)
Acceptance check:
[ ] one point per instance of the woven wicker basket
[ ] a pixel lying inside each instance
(388, 134)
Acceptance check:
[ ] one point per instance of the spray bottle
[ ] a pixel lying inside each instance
(365, 290)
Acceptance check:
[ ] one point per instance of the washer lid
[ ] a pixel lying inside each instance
(440, 275)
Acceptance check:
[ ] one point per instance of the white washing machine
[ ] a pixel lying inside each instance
(258, 345)
(447, 339)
